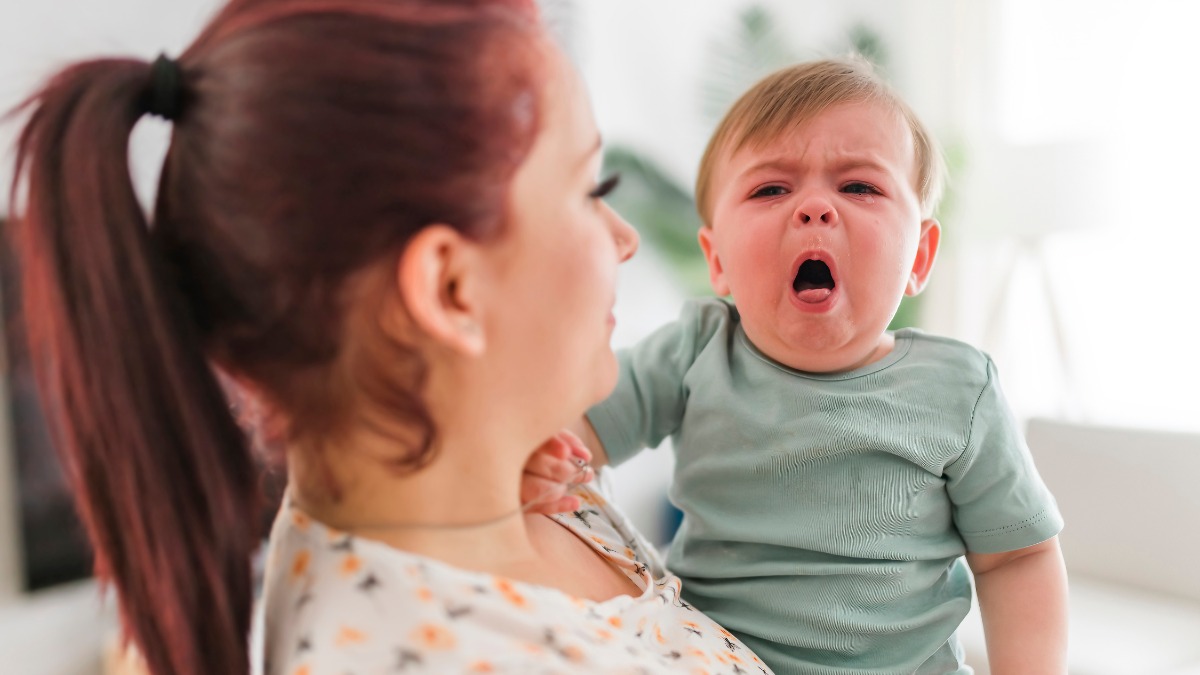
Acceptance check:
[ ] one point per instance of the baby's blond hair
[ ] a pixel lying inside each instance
(791, 96)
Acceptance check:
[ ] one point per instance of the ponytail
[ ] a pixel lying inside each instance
(161, 473)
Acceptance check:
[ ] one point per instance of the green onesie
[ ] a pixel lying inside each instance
(826, 515)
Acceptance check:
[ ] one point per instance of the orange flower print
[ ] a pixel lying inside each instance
(300, 563)
(481, 667)
(424, 594)
(614, 621)
(604, 635)
(590, 498)
(351, 564)
(301, 521)
(700, 654)
(302, 670)
(658, 635)
(433, 636)
(573, 654)
(699, 671)
(510, 593)
(349, 636)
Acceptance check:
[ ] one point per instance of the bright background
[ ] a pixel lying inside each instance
(1070, 246)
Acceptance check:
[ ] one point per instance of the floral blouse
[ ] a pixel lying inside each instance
(342, 605)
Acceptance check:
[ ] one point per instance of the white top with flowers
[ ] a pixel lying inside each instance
(339, 605)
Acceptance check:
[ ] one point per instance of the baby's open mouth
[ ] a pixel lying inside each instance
(813, 282)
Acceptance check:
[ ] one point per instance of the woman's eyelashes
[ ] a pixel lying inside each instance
(605, 187)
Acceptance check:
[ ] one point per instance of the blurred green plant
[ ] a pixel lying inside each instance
(664, 212)
(734, 62)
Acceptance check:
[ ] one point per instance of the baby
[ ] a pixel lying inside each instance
(837, 480)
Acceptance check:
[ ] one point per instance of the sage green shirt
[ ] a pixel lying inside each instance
(825, 516)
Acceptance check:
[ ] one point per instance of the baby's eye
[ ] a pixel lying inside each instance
(860, 188)
(769, 191)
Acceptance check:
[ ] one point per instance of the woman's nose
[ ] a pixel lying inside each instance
(625, 236)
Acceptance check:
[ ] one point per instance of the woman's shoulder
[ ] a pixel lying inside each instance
(338, 603)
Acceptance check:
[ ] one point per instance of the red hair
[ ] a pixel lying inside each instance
(316, 137)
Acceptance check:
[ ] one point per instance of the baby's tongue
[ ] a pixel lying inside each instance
(814, 295)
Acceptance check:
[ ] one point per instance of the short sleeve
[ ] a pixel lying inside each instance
(1000, 502)
(648, 403)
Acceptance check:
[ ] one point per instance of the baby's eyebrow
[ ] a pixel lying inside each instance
(852, 162)
(772, 164)
(844, 163)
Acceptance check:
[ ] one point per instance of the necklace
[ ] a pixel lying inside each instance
(581, 476)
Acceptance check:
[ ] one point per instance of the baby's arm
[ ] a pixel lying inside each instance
(646, 406)
(1023, 600)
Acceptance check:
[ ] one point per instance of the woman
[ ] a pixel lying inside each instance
(381, 220)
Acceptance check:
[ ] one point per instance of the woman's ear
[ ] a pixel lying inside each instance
(439, 281)
(927, 248)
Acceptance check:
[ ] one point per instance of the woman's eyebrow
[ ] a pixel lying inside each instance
(596, 146)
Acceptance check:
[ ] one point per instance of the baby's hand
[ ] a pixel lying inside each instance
(555, 467)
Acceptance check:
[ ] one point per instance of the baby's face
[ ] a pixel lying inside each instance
(818, 234)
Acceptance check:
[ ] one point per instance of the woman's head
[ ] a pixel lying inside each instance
(531, 310)
(315, 141)
(316, 138)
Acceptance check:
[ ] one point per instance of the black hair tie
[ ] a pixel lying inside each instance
(165, 98)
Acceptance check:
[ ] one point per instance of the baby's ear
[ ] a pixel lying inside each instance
(927, 248)
(716, 274)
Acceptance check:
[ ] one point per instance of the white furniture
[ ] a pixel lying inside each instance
(1131, 501)
(60, 631)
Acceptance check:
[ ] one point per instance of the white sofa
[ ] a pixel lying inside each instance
(1131, 501)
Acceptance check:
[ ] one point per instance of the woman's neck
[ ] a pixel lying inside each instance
(462, 508)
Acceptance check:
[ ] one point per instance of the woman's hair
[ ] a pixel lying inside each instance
(792, 96)
(312, 140)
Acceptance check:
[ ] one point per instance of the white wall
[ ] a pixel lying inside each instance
(1113, 77)
(36, 38)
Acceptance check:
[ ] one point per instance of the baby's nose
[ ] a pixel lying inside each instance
(816, 210)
